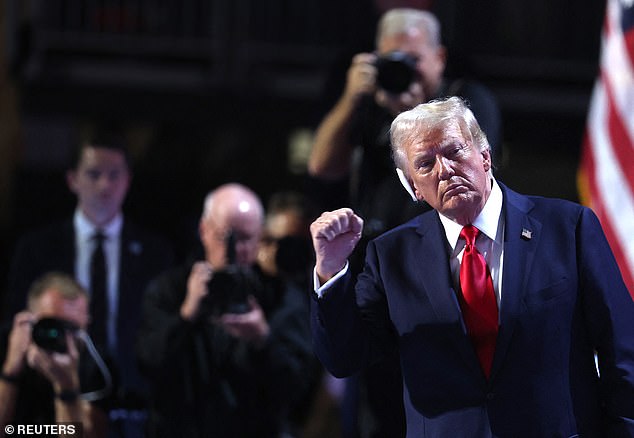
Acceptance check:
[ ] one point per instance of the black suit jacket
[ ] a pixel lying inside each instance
(563, 298)
(52, 248)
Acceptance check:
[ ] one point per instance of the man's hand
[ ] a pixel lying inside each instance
(61, 369)
(397, 103)
(335, 235)
(199, 276)
(251, 326)
(361, 77)
(19, 340)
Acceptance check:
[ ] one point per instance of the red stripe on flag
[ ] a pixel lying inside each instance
(615, 122)
(628, 40)
(596, 203)
(619, 137)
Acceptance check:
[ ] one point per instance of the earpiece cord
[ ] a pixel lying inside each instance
(100, 393)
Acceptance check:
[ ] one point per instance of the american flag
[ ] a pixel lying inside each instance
(606, 171)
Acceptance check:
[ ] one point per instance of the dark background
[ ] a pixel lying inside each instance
(218, 90)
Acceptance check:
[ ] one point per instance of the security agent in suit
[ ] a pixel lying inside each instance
(558, 290)
(100, 176)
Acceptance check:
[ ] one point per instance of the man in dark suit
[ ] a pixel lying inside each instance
(496, 302)
(100, 178)
(351, 165)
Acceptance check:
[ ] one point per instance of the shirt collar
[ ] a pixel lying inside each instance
(487, 221)
(86, 229)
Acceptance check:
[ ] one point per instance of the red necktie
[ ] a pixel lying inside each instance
(479, 306)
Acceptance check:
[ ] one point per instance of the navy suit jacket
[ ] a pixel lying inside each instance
(52, 248)
(563, 298)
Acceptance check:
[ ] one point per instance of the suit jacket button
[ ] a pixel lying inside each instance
(490, 396)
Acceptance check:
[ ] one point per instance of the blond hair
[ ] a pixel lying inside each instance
(436, 113)
(64, 283)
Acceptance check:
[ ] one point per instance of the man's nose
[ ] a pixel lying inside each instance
(444, 166)
(103, 181)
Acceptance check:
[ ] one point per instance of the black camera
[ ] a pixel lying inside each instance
(396, 71)
(50, 333)
(229, 288)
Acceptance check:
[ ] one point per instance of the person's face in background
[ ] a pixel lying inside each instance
(431, 60)
(279, 224)
(246, 226)
(449, 172)
(52, 304)
(100, 181)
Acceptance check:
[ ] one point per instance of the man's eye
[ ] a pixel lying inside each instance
(454, 151)
(425, 165)
(114, 174)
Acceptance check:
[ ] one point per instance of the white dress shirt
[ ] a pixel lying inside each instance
(490, 241)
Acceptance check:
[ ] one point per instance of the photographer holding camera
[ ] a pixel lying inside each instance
(351, 166)
(350, 163)
(225, 346)
(40, 383)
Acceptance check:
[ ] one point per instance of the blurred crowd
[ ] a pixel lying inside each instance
(132, 334)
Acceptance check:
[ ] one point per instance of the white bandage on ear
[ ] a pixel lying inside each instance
(405, 183)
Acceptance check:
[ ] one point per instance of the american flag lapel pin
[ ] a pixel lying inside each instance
(526, 234)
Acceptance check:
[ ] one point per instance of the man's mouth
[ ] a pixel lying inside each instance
(455, 189)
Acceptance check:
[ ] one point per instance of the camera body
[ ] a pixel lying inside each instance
(229, 288)
(50, 334)
(396, 71)
(228, 291)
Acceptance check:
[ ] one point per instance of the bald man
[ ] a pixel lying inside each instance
(212, 366)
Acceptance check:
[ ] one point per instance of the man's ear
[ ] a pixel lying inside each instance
(408, 187)
(441, 53)
(486, 159)
(71, 180)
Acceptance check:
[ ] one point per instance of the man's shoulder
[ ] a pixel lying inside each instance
(420, 223)
(540, 202)
(45, 234)
(170, 284)
(54, 227)
(132, 228)
(139, 238)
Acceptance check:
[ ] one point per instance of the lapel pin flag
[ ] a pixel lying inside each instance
(526, 234)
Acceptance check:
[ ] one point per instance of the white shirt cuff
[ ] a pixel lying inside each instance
(320, 290)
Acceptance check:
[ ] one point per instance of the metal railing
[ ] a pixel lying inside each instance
(228, 43)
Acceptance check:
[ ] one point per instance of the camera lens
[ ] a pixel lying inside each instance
(396, 71)
(50, 333)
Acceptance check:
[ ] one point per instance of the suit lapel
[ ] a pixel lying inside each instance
(435, 276)
(128, 264)
(521, 235)
(439, 285)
